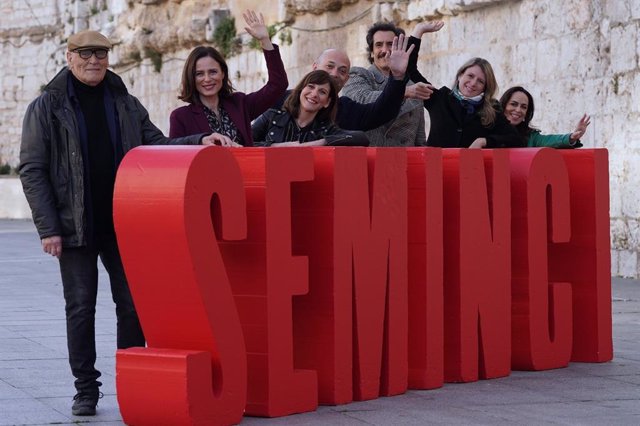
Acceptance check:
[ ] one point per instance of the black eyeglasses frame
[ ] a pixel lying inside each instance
(99, 52)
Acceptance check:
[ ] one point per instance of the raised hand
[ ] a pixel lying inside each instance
(398, 57)
(581, 128)
(257, 28)
(426, 27)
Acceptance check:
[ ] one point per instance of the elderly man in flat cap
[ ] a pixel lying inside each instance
(74, 136)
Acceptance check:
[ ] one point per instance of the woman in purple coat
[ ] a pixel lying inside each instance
(214, 108)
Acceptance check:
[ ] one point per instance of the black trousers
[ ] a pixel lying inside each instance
(79, 269)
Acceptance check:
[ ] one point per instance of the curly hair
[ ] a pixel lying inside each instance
(379, 26)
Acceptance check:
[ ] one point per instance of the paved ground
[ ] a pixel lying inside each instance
(36, 386)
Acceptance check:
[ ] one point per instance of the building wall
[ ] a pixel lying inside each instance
(574, 56)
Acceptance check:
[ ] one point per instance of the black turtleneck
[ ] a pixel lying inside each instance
(101, 168)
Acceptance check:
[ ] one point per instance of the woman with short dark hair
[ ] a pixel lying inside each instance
(214, 107)
(306, 118)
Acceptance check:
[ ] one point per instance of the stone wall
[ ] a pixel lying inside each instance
(574, 56)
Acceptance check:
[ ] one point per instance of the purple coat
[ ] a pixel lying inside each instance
(241, 107)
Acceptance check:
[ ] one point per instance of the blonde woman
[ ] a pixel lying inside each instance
(466, 116)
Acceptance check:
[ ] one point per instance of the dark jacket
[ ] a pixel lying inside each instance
(271, 128)
(52, 168)
(451, 126)
(353, 115)
(241, 107)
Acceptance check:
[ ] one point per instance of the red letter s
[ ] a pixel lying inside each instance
(194, 370)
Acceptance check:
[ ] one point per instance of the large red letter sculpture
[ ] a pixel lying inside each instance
(265, 276)
(426, 327)
(335, 223)
(194, 369)
(269, 280)
(323, 318)
(477, 273)
(585, 261)
(541, 309)
(371, 251)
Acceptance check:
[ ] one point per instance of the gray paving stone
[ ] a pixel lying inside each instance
(485, 392)
(629, 378)
(5, 333)
(322, 417)
(55, 343)
(566, 413)
(28, 411)
(590, 388)
(619, 366)
(39, 378)
(426, 412)
(8, 391)
(107, 409)
(18, 348)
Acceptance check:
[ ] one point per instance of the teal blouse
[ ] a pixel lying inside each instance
(537, 139)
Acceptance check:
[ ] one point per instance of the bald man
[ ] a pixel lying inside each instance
(353, 115)
(336, 62)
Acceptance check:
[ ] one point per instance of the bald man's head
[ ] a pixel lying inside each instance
(336, 63)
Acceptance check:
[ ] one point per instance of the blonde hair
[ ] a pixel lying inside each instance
(487, 112)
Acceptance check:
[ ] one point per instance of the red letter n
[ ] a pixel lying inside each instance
(477, 271)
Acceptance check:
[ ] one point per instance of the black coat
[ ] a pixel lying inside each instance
(451, 125)
(272, 127)
(52, 167)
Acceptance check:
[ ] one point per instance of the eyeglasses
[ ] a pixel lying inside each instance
(87, 53)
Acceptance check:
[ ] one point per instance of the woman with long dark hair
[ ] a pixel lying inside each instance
(517, 104)
(214, 107)
(307, 117)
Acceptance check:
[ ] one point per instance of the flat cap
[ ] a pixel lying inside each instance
(87, 38)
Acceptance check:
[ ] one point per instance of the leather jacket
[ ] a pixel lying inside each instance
(52, 167)
(271, 127)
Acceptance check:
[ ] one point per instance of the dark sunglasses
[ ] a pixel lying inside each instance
(87, 53)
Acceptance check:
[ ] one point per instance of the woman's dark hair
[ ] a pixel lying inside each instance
(292, 103)
(188, 92)
(524, 128)
(379, 26)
